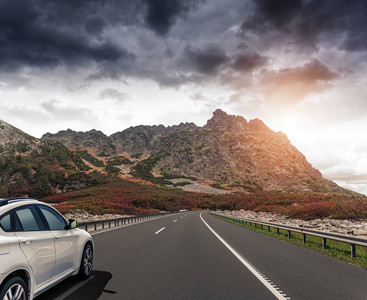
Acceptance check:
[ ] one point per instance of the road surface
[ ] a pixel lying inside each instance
(194, 255)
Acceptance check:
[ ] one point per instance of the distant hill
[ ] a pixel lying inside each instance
(38, 168)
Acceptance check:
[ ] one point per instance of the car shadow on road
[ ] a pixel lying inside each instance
(75, 289)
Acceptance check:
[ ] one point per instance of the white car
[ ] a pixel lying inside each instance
(39, 248)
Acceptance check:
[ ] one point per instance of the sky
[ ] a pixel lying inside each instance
(298, 65)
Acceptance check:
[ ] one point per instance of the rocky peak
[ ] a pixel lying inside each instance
(257, 125)
(76, 140)
(185, 126)
(11, 135)
(221, 120)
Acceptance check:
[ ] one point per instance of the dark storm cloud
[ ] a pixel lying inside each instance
(292, 84)
(112, 38)
(274, 14)
(33, 33)
(95, 25)
(248, 61)
(309, 73)
(206, 60)
(96, 35)
(162, 14)
(305, 22)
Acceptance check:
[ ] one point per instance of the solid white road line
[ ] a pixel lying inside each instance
(271, 287)
(174, 221)
(160, 230)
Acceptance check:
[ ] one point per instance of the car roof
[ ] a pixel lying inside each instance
(18, 199)
(9, 203)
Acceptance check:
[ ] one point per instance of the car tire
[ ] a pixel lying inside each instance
(86, 264)
(14, 288)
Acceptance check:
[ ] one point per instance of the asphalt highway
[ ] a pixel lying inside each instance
(197, 256)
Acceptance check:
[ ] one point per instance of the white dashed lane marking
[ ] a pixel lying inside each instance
(160, 230)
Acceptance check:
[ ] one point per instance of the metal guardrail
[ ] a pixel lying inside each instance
(353, 241)
(102, 224)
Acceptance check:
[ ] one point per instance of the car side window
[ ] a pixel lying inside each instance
(53, 218)
(29, 218)
(5, 222)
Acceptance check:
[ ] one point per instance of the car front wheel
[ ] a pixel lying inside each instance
(86, 264)
(14, 288)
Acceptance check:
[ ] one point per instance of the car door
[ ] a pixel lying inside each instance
(66, 241)
(37, 244)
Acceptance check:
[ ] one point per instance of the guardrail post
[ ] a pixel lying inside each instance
(86, 227)
(95, 226)
(102, 225)
(261, 226)
(324, 246)
(255, 225)
(289, 234)
(277, 231)
(304, 238)
(352, 250)
(269, 229)
(250, 224)
(109, 223)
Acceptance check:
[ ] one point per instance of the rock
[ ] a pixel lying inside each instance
(327, 224)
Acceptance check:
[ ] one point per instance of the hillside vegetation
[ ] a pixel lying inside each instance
(120, 196)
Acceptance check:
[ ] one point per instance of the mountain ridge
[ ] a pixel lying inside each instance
(228, 149)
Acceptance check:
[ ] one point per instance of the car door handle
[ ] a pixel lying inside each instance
(27, 241)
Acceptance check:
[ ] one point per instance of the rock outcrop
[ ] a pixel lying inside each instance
(74, 140)
(11, 135)
(351, 227)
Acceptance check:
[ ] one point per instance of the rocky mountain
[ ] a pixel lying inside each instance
(92, 139)
(246, 155)
(38, 168)
(143, 139)
(228, 150)
(12, 138)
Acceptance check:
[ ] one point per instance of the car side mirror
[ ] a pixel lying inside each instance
(73, 224)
